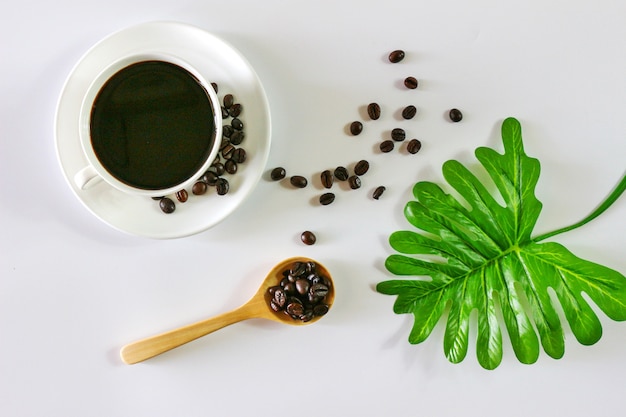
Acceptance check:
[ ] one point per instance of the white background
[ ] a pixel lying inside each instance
(74, 290)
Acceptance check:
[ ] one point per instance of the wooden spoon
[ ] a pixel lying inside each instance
(257, 307)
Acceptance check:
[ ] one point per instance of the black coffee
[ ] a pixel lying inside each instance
(152, 125)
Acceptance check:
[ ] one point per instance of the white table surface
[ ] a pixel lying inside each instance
(74, 290)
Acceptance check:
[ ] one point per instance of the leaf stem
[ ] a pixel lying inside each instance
(615, 194)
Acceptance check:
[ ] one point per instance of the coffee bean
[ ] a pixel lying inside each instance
(218, 168)
(308, 238)
(410, 82)
(182, 195)
(327, 198)
(398, 134)
(386, 146)
(302, 285)
(295, 308)
(199, 188)
(274, 306)
(361, 167)
(239, 155)
(167, 205)
(396, 56)
(278, 174)
(409, 112)
(236, 124)
(227, 151)
(229, 100)
(280, 297)
(237, 137)
(210, 177)
(378, 192)
(319, 290)
(355, 182)
(373, 111)
(222, 186)
(320, 309)
(227, 131)
(456, 115)
(224, 113)
(231, 167)
(327, 178)
(298, 181)
(414, 146)
(235, 110)
(356, 127)
(341, 173)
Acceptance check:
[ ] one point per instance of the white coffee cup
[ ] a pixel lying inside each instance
(164, 113)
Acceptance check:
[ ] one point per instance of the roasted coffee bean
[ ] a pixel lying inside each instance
(361, 167)
(227, 151)
(274, 306)
(182, 195)
(227, 131)
(308, 238)
(218, 168)
(222, 186)
(355, 182)
(237, 137)
(456, 115)
(237, 124)
(280, 297)
(386, 146)
(318, 290)
(239, 155)
(298, 269)
(373, 111)
(320, 309)
(235, 110)
(327, 198)
(398, 134)
(231, 167)
(341, 173)
(199, 188)
(224, 143)
(278, 173)
(356, 127)
(215, 87)
(307, 316)
(229, 100)
(410, 82)
(298, 181)
(409, 112)
(167, 205)
(378, 192)
(210, 177)
(302, 285)
(295, 308)
(327, 178)
(396, 56)
(224, 113)
(290, 288)
(414, 146)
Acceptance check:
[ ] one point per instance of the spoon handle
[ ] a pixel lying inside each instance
(155, 345)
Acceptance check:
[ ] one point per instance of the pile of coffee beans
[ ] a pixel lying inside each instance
(302, 292)
(230, 156)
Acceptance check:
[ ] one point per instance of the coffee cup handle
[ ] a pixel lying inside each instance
(86, 178)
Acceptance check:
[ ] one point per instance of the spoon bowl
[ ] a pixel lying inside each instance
(259, 306)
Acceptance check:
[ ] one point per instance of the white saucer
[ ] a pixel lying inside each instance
(219, 63)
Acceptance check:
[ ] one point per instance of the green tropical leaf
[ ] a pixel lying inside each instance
(480, 256)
